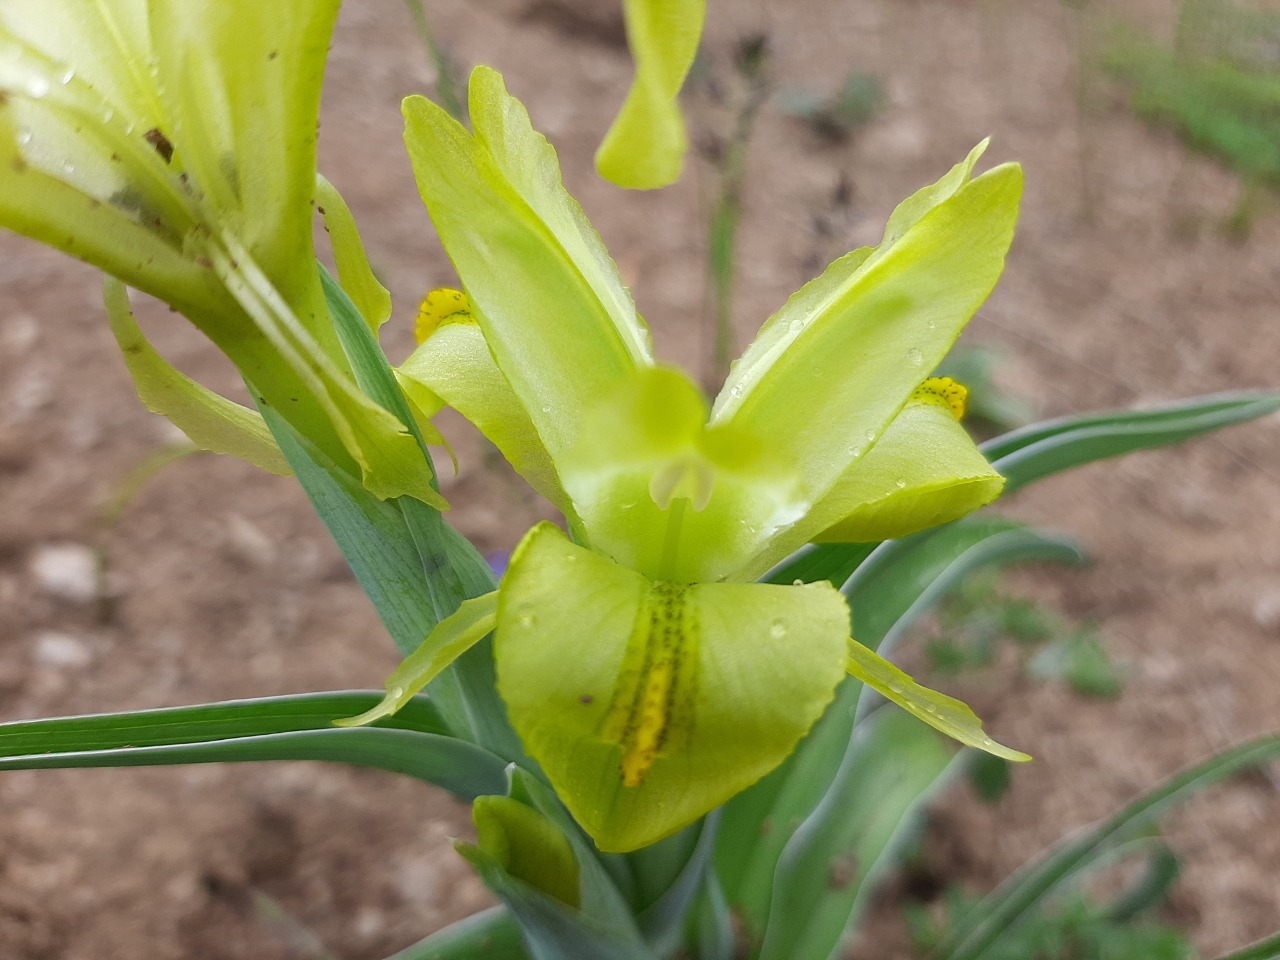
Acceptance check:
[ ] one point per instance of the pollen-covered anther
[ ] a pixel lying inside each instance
(945, 392)
(441, 306)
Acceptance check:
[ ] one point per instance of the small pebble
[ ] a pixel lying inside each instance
(60, 650)
(68, 571)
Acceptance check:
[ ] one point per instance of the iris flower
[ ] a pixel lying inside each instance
(173, 146)
(644, 669)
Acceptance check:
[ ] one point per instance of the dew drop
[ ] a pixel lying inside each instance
(797, 582)
(855, 451)
(778, 629)
(871, 436)
(895, 688)
(546, 408)
(571, 558)
(796, 326)
(527, 620)
(396, 692)
(68, 76)
(915, 357)
(900, 483)
(930, 324)
(68, 167)
(24, 137)
(735, 392)
(930, 709)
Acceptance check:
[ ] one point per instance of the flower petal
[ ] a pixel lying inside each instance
(645, 147)
(240, 87)
(925, 471)
(661, 493)
(947, 714)
(211, 421)
(452, 637)
(831, 370)
(454, 367)
(371, 298)
(648, 704)
(555, 315)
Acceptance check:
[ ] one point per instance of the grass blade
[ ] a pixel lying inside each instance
(984, 925)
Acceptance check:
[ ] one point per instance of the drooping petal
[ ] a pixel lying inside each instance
(648, 704)
(452, 637)
(831, 370)
(925, 471)
(210, 420)
(371, 298)
(947, 714)
(555, 315)
(661, 493)
(645, 147)
(453, 366)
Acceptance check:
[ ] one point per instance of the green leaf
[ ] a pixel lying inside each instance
(902, 581)
(985, 925)
(493, 934)
(602, 928)
(528, 846)
(1265, 949)
(645, 146)
(1041, 449)
(211, 421)
(835, 859)
(415, 742)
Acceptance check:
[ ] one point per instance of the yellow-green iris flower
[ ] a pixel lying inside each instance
(643, 668)
(172, 144)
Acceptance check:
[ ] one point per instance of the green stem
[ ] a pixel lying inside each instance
(492, 934)
(446, 85)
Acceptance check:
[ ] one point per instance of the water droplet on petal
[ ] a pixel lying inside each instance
(571, 557)
(68, 76)
(24, 137)
(915, 357)
(735, 392)
(871, 436)
(527, 620)
(796, 326)
(546, 408)
(895, 688)
(797, 582)
(68, 167)
(930, 324)
(930, 709)
(778, 629)
(900, 483)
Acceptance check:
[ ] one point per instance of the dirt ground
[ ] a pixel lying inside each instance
(1122, 289)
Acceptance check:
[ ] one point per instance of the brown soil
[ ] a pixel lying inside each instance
(1122, 289)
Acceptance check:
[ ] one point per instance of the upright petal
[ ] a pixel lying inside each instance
(649, 704)
(555, 315)
(831, 370)
(240, 87)
(645, 147)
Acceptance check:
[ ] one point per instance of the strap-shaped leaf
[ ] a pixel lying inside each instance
(1041, 449)
(1265, 949)
(210, 420)
(834, 861)
(904, 581)
(983, 926)
(493, 934)
(645, 146)
(415, 743)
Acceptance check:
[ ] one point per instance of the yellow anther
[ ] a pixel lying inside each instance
(439, 307)
(945, 392)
